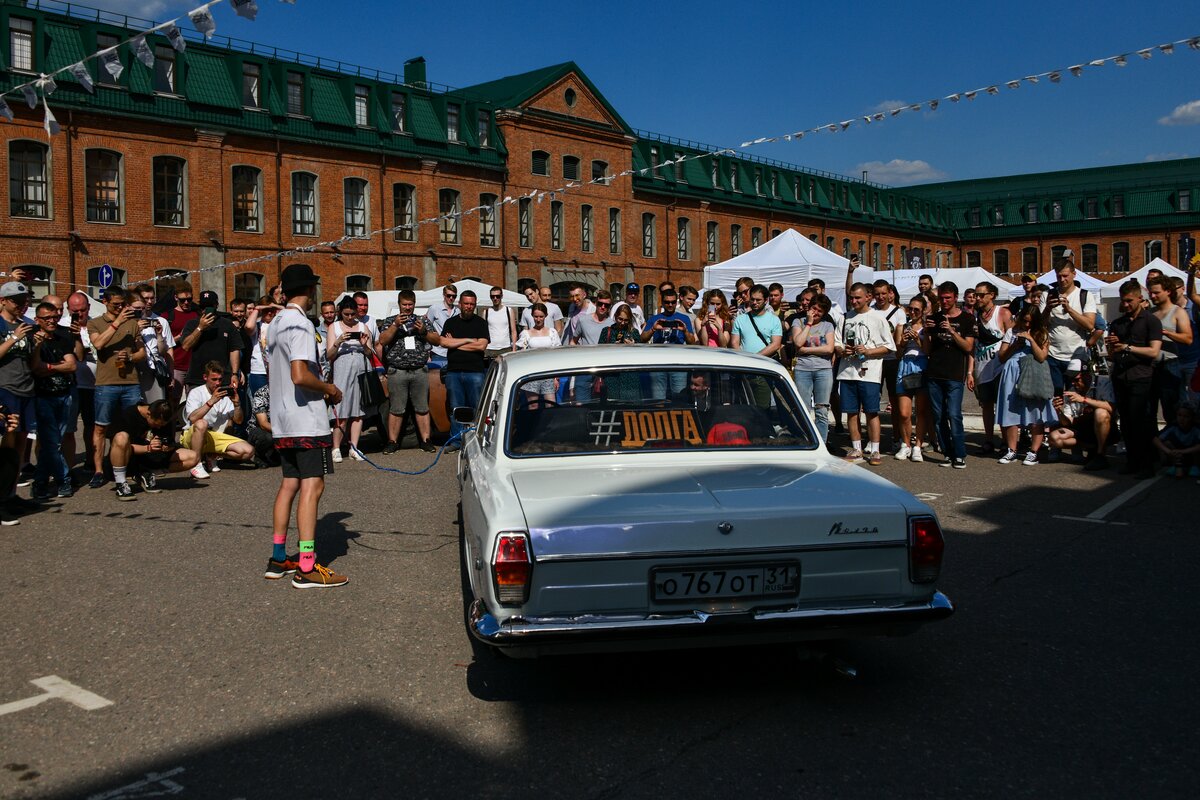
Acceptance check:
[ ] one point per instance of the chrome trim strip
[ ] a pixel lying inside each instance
(748, 551)
(534, 631)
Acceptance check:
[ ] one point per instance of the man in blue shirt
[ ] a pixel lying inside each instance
(759, 330)
(668, 327)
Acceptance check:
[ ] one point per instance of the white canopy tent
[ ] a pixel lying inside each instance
(1159, 264)
(1106, 289)
(905, 280)
(790, 259)
(381, 304)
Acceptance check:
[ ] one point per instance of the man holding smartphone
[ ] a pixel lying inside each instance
(209, 408)
(404, 345)
(211, 337)
(118, 345)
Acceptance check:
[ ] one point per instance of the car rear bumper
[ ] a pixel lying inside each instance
(581, 633)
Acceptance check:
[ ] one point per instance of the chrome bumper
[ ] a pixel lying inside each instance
(517, 632)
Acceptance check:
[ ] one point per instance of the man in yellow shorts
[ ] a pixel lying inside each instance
(209, 408)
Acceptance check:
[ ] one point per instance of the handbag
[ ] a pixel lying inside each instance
(370, 389)
(1034, 382)
(913, 381)
(777, 356)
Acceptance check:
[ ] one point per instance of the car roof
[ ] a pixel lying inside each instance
(572, 359)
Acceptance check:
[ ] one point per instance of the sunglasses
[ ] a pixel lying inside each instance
(497, 297)
(603, 305)
(449, 294)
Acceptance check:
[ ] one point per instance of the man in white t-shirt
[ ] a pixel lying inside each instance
(300, 427)
(209, 408)
(554, 315)
(632, 292)
(502, 325)
(861, 341)
(1070, 318)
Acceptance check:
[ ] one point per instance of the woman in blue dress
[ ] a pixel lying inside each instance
(1028, 338)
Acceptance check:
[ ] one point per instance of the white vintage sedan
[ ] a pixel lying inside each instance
(675, 497)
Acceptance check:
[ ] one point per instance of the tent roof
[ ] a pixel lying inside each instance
(1159, 264)
(790, 259)
(1085, 280)
(905, 280)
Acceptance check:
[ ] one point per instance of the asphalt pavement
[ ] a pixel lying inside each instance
(1064, 672)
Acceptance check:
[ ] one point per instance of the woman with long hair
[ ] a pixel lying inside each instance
(911, 344)
(1027, 338)
(716, 322)
(812, 338)
(349, 341)
(539, 337)
(622, 385)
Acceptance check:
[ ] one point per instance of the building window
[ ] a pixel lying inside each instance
(711, 240)
(403, 282)
(41, 279)
(1118, 205)
(755, 237)
(830, 243)
(248, 286)
(1029, 260)
(251, 85)
(1000, 261)
(295, 93)
(362, 96)
(735, 240)
(649, 236)
(683, 236)
(355, 193)
(570, 170)
(1154, 249)
(170, 191)
(20, 41)
(247, 191)
(891, 256)
(1090, 257)
(164, 69)
(812, 191)
(304, 204)
(973, 217)
(679, 176)
(1185, 200)
(874, 202)
(106, 41)
(525, 221)
(600, 173)
(1120, 257)
(541, 163)
(715, 172)
(845, 248)
(875, 255)
(1031, 213)
(28, 186)
(103, 185)
(556, 225)
(845, 196)
(398, 105)
(974, 258)
(1056, 211)
(1091, 207)
(614, 230)
(998, 215)
(654, 157)
(404, 212)
(774, 184)
(585, 228)
(1057, 253)
(487, 220)
(733, 177)
(758, 180)
(453, 112)
(358, 283)
(483, 129)
(449, 214)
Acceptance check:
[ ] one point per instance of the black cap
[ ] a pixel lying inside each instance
(209, 300)
(632, 287)
(297, 276)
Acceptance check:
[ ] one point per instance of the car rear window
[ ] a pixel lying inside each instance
(648, 409)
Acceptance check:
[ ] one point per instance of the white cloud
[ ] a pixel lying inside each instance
(1165, 156)
(1186, 114)
(899, 172)
(886, 105)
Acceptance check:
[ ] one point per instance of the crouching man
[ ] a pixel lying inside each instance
(143, 443)
(1085, 415)
(209, 408)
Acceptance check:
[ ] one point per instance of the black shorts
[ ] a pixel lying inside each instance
(891, 366)
(306, 462)
(152, 462)
(986, 393)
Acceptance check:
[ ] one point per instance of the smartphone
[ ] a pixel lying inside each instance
(135, 313)
(712, 308)
(354, 335)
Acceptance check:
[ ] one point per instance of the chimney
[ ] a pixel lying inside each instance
(414, 72)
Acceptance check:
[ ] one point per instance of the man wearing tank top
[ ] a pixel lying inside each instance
(984, 375)
(1176, 333)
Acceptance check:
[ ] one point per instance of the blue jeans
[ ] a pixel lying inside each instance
(1058, 366)
(815, 387)
(583, 388)
(946, 398)
(463, 389)
(55, 421)
(112, 400)
(662, 383)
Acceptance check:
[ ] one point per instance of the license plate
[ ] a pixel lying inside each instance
(725, 582)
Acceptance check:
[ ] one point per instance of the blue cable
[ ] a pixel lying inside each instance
(455, 438)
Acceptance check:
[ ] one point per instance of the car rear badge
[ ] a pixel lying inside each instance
(840, 530)
(725, 528)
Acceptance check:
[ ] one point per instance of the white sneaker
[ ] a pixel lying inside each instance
(1009, 457)
(904, 452)
(1030, 459)
(211, 465)
(356, 455)
(337, 455)
(199, 472)
(917, 457)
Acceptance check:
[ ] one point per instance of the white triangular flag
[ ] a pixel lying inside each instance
(1167, 49)
(245, 8)
(845, 124)
(1031, 78)
(202, 20)
(1076, 70)
(175, 37)
(877, 117)
(1099, 62)
(1054, 77)
(1194, 43)
(50, 123)
(5, 111)
(47, 85)
(30, 96)
(111, 60)
(867, 120)
(915, 107)
(142, 50)
(933, 104)
(1013, 84)
(992, 90)
(953, 98)
(970, 95)
(81, 73)
(895, 111)
(1145, 54)
(831, 128)
(1120, 61)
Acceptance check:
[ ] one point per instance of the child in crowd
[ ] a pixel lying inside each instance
(1179, 445)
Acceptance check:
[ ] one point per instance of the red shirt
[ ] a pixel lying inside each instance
(177, 319)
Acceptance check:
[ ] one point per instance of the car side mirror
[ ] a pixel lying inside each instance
(463, 415)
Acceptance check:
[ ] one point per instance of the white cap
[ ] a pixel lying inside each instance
(1074, 365)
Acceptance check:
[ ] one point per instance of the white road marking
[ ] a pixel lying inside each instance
(969, 499)
(55, 687)
(155, 784)
(928, 496)
(1089, 519)
(1123, 498)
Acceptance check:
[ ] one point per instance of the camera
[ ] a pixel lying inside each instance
(354, 335)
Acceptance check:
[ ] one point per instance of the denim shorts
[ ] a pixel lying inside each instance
(112, 400)
(859, 394)
(23, 407)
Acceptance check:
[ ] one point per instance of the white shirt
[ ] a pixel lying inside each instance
(218, 416)
(85, 370)
(553, 315)
(295, 411)
(258, 363)
(871, 330)
(499, 334)
(895, 317)
(1068, 337)
(436, 317)
(369, 322)
(150, 336)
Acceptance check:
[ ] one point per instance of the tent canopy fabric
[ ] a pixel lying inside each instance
(906, 280)
(790, 259)
(381, 304)
(1085, 280)
(1158, 264)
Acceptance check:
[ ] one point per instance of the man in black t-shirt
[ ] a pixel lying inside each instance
(143, 440)
(211, 337)
(465, 338)
(53, 360)
(1134, 341)
(951, 334)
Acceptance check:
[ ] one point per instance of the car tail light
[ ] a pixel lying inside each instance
(925, 548)
(512, 568)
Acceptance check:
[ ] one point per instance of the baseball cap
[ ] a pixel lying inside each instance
(1028, 277)
(13, 289)
(209, 299)
(632, 287)
(298, 276)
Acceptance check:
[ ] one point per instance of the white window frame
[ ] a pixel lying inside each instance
(362, 106)
(299, 207)
(165, 70)
(21, 52)
(256, 198)
(453, 122)
(183, 191)
(119, 189)
(399, 111)
(649, 235)
(449, 216)
(356, 217)
(251, 84)
(404, 211)
(483, 128)
(23, 180)
(487, 220)
(295, 90)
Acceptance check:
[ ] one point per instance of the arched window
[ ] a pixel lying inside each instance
(406, 282)
(541, 163)
(650, 296)
(600, 173)
(103, 182)
(649, 236)
(845, 248)
(570, 166)
(1057, 253)
(168, 281)
(304, 204)
(1029, 260)
(683, 235)
(356, 192)
(358, 283)
(974, 258)
(247, 195)
(449, 212)
(248, 286)
(525, 221)
(585, 228)
(735, 240)
(41, 279)
(487, 220)
(404, 212)
(1089, 257)
(712, 243)
(170, 191)
(1000, 261)
(1120, 257)
(93, 279)
(28, 181)
(1154, 249)
(556, 225)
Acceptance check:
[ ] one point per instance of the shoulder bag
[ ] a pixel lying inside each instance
(370, 388)
(766, 342)
(1034, 382)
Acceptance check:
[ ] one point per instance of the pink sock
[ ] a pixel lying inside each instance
(308, 561)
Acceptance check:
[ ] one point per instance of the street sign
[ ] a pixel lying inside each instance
(106, 276)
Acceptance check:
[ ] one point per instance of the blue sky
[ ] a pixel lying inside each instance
(730, 72)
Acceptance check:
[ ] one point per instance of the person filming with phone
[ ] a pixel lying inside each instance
(404, 343)
(209, 408)
(117, 340)
(211, 337)
(349, 341)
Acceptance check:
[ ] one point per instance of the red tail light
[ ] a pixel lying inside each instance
(512, 568)
(925, 548)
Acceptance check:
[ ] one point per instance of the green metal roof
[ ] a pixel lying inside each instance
(328, 104)
(514, 90)
(1095, 179)
(208, 81)
(66, 48)
(426, 122)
